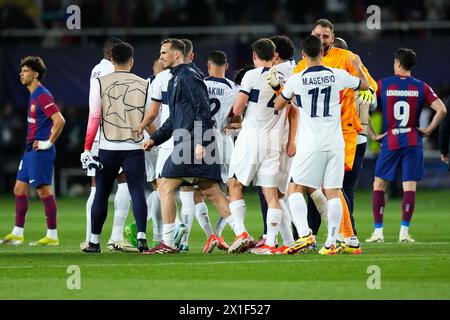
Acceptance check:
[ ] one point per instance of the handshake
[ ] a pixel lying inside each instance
(89, 161)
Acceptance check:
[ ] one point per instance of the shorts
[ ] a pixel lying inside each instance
(411, 159)
(151, 157)
(163, 155)
(257, 164)
(315, 168)
(36, 167)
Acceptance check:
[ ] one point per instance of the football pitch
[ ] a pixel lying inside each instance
(383, 271)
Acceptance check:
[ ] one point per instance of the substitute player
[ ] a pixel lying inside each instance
(122, 197)
(320, 156)
(401, 98)
(45, 124)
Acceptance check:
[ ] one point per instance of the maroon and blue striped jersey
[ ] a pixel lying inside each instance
(41, 107)
(401, 100)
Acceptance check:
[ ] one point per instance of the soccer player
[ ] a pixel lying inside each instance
(191, 123)
(444, 136)
(222, 95)
(320, 157)
(122, 197)
(401, 98)
(45, 124)
(283, 67)
(339, 58)
(257, 153)
(120, 144)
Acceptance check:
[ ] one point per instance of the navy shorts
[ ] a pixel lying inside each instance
(411, 159)
(36, 167)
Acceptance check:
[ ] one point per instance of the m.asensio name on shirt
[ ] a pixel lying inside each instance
(402, 93)
(318, 80)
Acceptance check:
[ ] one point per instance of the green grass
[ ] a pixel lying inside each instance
(408, 271)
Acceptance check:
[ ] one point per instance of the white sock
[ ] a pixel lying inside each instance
(299, 213)
(121, 208)
(404, 230)
(340, 237)
(168, 234)
(201, 213)
(187, 213)
(285, 225)
(17, 231)
(141, 235)
(52, 234)
(238, 210)
(334, 220)
(379, 231)
(274, 217)
(321, 203)
(155, 213)
(89, 203)
(95, 238)
(221, 223)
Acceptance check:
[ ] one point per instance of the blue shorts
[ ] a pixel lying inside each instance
(36, 167)
(411, 159)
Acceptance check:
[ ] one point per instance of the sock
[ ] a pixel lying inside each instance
(346, 224)
(299, 213)
(334, 220)
(264, 207)
(408, 203)
(285, 225)
(230, 221)
(17, 231)
(274, 217)
(121, 208)
(89, 203)
(321, 203)
(50, 211)
(52, 233)
(187, 213)
(238, 210)
(95, 238)
(21, 211)
(201, 213)
(141, 235)
(378, 204)
(168, 234)
(155, 213)
(221, 223)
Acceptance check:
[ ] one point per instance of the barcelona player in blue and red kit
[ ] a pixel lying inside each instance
(45, 124)
(401, 98)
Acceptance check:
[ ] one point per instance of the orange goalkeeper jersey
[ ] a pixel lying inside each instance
(340, 58)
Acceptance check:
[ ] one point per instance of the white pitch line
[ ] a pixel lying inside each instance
(323, 259)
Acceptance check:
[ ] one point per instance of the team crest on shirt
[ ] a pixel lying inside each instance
(33, 107)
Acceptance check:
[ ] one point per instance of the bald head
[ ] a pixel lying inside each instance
(340, 43)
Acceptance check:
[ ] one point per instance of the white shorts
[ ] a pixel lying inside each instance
(285, 168)
(311, 169)
(151, 157)
(94, 151)
(163, 155)
(252, 163)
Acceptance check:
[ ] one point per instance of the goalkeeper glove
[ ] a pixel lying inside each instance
(272, 78)
(89, 161)
(366, 96)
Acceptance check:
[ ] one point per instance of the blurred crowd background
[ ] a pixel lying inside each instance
(38, 27)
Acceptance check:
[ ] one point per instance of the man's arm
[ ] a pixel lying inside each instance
(150, 116)
(444, 135)
(241, 103)
(293, 115)
(441, 111)
(95, 114)
(357, 64)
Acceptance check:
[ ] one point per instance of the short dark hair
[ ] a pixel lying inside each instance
(311, 46)
(324, 23)
(217, 57)
(110, 43)
(340, 43)
(189, 47)
(241, 72)
(264, 49)
(122, 53)
(36, 64)
(283, 46)
(175, 44)
(406, 57)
